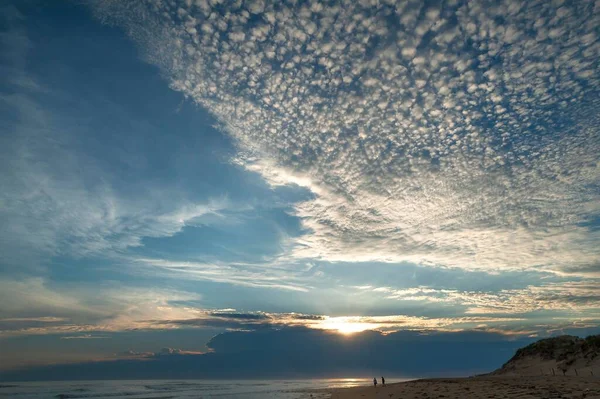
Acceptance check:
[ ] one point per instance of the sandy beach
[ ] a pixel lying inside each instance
(567, 387)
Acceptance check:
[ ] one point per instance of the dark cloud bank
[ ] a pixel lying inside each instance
(304, 353)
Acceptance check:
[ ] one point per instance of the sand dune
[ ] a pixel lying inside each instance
(562, 367)
(564, 355)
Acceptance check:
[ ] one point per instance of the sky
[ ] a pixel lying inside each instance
(191, 183)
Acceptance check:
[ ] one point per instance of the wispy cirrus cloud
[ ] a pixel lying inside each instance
(53, 206)
(247, 275)
(83, 309)
(74, 190)
(434, 134)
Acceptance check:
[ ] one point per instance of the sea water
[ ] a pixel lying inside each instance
(177, 389)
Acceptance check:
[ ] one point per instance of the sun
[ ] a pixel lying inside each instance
(346, 325)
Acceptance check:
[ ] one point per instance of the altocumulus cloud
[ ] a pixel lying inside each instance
(455, 133)
(552, 296)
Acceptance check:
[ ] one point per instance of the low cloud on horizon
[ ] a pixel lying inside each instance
(300, 353)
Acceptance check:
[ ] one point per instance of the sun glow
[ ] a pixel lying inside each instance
(346, 325)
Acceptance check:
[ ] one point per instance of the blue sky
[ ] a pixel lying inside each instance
(175, 170)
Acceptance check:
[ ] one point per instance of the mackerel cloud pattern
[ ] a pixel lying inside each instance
(461, 134)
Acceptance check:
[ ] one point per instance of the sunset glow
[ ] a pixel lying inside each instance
(346, 325)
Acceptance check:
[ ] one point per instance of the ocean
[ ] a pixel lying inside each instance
(177, 389)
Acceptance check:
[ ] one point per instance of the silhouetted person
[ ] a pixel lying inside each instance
(382, 381)
(375, 382)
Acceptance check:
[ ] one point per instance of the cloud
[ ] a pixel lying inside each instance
(174, 351)
(76, 313)
(431, 135)
(60, 201)
(131, 354)
(129, 308)
(30, 300)
(341, 324)
(134, 354)
(44, 319)
(85, 336)
(20, 323)
(82, 310)
(248, 275)
(48, 215)
(569, 296)
(75, 191)
(240, 316)
(304, 353)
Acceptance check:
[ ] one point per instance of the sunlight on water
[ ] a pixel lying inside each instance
(180, 389)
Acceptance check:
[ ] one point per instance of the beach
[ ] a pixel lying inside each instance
(530, 387)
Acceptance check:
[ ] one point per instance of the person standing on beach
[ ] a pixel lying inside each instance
(375, 382)
(382, 381)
